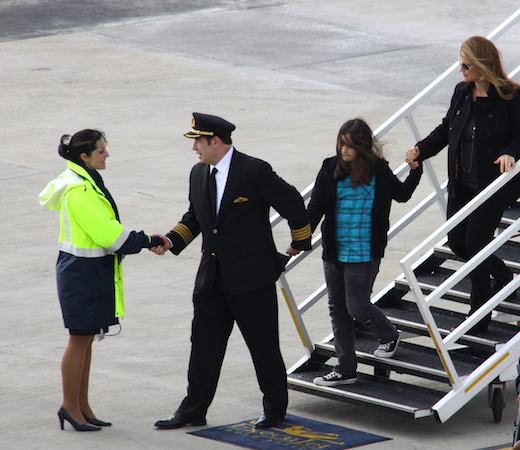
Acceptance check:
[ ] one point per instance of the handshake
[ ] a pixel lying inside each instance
(159, 244)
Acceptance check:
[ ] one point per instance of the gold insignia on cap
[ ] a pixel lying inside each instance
(193, 122)
(203, 133)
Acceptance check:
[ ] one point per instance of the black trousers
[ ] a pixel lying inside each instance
(256, 315)
(349, 286)
(472, 235)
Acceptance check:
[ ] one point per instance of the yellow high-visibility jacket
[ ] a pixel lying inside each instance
(89, 274)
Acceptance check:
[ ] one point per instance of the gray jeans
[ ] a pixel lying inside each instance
(349, 286)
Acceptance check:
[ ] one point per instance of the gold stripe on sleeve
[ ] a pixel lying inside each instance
(301, 234)
(184, 232)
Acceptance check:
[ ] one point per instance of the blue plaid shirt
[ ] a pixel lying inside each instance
(354, 220)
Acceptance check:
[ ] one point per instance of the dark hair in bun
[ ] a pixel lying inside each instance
(84, 141)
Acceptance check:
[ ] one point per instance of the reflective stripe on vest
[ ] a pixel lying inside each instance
(83, 252)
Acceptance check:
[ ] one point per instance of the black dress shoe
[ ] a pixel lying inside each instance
(268, 421)
(179, 421)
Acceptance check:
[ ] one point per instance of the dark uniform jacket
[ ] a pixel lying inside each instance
(238, 244)
(388, 187)
(497, 133)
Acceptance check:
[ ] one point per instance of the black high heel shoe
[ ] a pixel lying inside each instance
(63, 415)
(97, 422)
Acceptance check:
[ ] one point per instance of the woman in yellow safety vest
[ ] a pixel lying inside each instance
(88, 271)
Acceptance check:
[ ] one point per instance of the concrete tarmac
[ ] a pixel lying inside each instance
(288, 74)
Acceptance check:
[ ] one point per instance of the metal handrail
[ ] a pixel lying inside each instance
(443, 230)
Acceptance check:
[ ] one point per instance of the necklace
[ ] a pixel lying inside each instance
(467, 144)
(467, 157)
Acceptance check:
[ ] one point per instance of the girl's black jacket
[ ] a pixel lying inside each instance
(388, 187)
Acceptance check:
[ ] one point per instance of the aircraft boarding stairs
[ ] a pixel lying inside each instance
(380, 383)
(440, 364)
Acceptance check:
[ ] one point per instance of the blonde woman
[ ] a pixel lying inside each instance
(482, 132)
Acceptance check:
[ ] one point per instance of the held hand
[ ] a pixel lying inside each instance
(291, 251)
(167, 244)
(158, 250)
(413, 165)
(412, 154)
(507, 162)
(161, 249)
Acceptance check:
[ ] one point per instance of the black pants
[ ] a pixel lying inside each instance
(256, 315)
(349, 286)
(472, 235)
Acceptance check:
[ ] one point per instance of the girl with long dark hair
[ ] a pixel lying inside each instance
(354, 191)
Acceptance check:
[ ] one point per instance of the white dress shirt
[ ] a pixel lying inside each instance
(222, 175)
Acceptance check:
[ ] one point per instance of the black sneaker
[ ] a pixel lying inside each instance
(388, 349)
(334, 378)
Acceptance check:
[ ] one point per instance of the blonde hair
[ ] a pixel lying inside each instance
(484, 55)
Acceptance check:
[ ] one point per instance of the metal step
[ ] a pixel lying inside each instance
(410, 358)
(406, 316)
(415, 401)
(509, 252)
(510, 215)
(459, 293)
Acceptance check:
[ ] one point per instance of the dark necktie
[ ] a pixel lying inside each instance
(212, 188)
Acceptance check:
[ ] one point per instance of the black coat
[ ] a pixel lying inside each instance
(497, 133)
(388, 187)
(239, 242)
